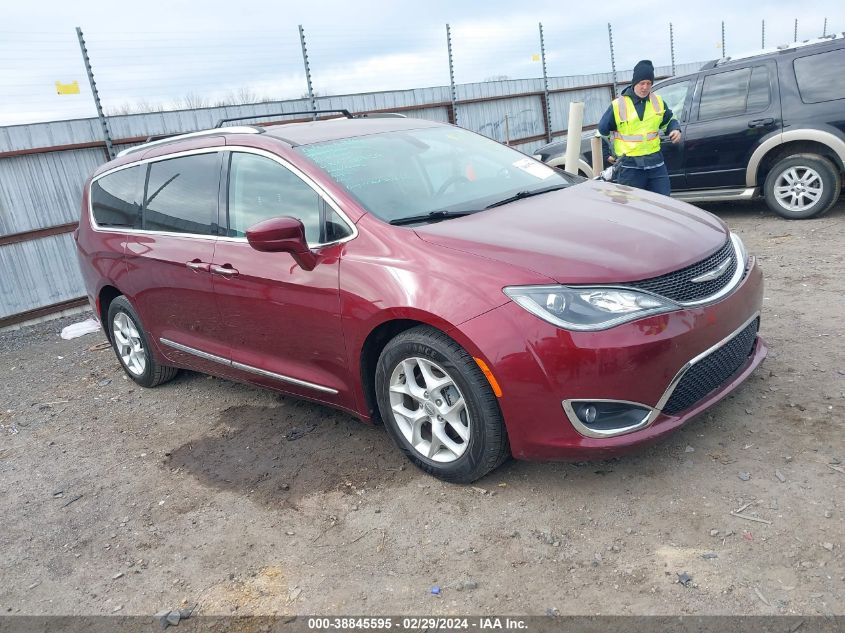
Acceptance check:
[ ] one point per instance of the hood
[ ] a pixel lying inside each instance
(594, 232)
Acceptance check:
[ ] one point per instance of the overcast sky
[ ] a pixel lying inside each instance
(161, 51)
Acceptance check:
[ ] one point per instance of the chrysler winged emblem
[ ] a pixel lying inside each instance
(710, 275)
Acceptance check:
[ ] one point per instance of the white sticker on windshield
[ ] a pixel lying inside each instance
(538, 170)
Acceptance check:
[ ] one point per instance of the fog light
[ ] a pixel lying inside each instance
(605, 418)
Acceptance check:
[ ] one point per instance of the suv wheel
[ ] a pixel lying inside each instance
(802, 186)
(132, 347)
(438, 406)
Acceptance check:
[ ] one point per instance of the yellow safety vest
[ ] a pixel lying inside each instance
(632, 136)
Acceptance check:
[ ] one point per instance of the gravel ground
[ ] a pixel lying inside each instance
(118, 499)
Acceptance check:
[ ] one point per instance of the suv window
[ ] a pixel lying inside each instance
(116, 198)
(675, 96)
(181, 195)
(820, 76)
(734, 92)
(261, 188)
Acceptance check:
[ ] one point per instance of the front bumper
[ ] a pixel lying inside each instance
(540, 368)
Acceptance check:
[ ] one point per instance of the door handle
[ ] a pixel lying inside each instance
(226, 270)
(198, 266)
(761, 122)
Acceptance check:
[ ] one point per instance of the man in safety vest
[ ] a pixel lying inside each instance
(633, 121)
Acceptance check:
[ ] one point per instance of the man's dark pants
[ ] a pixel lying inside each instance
(655, 179)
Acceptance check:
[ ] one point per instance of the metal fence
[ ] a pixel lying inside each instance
(43, 165)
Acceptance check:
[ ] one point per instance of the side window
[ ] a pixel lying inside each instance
(759, 90)
(181, 195)
(261, 188)
(724, 94)
(675, 96)
(820, 76)
(116, 198)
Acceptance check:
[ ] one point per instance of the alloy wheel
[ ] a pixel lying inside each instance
(798, 188)
(129, 344)
(429, 409)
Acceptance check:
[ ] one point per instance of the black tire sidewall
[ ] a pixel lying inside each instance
(419, 343)
(121, 304)
(830, 181)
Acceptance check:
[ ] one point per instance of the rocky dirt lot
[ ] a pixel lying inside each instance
(117, 499)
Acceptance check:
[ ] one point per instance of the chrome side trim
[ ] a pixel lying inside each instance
(247, 368)
(221, 148)
(235, 129)
(715, 195)
(275, 376)
(683, 370)
(588, 432)
(195, 352)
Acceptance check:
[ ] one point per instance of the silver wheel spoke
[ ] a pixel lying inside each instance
(432, 382)
(439, 431)
(129, 345)
(424, 399)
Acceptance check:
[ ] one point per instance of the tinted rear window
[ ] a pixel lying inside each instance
(116, 198)
(181, 195)
(724, 94)
(820, 76)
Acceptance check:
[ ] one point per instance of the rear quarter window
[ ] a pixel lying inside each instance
(819, 76)
(116, 198)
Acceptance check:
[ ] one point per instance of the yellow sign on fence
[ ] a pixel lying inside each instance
(67, 89)
(535, 57)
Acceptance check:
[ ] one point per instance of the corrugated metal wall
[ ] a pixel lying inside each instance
(42, 190)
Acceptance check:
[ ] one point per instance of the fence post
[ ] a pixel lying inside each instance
(546, 105)
(612, 58)
(824, 33)
(452, 76)
(100, 115)
(796, 29)
(763, 34)
(724, 54)
(672, 47)
(308, 73)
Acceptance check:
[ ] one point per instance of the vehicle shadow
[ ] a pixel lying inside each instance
(279, 454)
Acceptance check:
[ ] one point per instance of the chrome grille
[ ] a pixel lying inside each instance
(712, 371)
(678, 285)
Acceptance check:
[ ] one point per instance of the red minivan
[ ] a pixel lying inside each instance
(475, 301)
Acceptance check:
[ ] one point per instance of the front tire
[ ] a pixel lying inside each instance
(802, 186)
(438, 406)
(132, 347)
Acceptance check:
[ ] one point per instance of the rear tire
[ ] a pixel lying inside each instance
(439, 407)
(132, 347)
(802, 186)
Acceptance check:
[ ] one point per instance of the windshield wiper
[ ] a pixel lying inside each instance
(525, 194)
(430, 217)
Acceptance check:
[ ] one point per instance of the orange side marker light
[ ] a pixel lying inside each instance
(490, 377)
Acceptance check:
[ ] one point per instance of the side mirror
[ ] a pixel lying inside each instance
(282, 235)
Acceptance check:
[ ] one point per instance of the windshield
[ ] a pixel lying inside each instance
(397, 175)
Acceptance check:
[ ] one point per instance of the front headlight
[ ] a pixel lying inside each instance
(587, 309)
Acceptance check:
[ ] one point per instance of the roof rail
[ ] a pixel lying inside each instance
(777, 49)
(342, 111)
(241, 129)
(381, 115)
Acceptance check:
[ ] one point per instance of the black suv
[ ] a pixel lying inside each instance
(770, 124)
